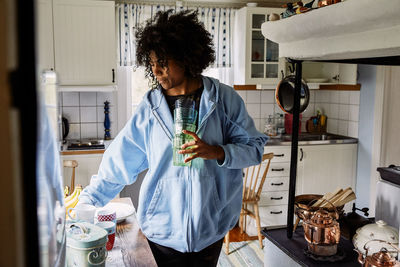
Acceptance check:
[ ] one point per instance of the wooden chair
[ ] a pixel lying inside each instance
(71, 164)
(252, 186)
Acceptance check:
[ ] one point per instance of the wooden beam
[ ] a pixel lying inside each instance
(340, 87)
(245, 87)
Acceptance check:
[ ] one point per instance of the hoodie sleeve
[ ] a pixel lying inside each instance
(124, 159)
(244, 144)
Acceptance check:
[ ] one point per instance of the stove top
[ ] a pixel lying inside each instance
(85, 144)
(391, 173)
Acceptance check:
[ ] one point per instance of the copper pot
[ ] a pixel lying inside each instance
(322, 233)
(304, 210)
(322, 3)
(383, 258)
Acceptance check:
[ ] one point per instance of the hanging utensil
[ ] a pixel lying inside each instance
(284, 94)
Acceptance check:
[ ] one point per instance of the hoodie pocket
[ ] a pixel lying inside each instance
(165, 215)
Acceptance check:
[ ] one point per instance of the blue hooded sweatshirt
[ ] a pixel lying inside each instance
(186, 208)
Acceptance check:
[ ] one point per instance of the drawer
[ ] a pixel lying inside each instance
(276, 184)
(281, 154)
(273, 215)
(278, 169)
(273, 198)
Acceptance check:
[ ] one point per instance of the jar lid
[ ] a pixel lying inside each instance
(85, 235)
(321, 218)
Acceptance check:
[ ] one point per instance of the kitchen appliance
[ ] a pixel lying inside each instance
(351, 221)
(322, 233)
(86, 245)
(381, 258)
(85, 144)
(387, 204)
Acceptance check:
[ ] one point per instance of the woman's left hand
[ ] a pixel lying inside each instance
(201, 149)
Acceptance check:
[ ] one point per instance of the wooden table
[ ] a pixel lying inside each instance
(131, 248)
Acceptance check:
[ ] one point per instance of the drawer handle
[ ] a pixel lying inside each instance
(277, 184)
(279, 155)
(278, 170)
(276, 198)
(275, 212)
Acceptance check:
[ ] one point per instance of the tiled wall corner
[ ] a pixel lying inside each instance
(85, 114)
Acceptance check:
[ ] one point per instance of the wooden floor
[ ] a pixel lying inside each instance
(236, 236)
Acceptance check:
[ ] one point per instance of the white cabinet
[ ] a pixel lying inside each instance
(320, 169)
(323, 168)
(88, 165)
(84, 42)
(256, 59)
(324, 72)
(44, 37)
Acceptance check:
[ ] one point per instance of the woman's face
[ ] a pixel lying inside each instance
(170, 75)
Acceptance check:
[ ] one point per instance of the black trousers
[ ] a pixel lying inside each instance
(165, 256)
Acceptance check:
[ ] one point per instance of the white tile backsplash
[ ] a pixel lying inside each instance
(333, 111)
(88, 130)
(343, 112)
(268, 96)
(253, 97)
(354, 98)
(74, 131)
(312, 96)
(88, 114)
(334, 96)
(353, 129)
(354, 112)
(310, 111)
(254, 110)
(70, 99)
(332, 126)
(85, 110)
(71, 114)
(105, 96)
(344, 97)
(267, 109)
(87, 99)
(343, 127)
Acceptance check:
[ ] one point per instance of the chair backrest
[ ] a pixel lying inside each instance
(253, 182)
(71, 164)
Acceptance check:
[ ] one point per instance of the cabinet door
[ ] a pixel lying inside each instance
(88, 165)
(323, 168)
(44, 40)
(264, 64)
(84, 38)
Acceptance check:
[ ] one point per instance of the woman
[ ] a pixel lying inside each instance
(184, 211)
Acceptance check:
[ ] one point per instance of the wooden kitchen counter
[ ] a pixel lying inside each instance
(131, 248)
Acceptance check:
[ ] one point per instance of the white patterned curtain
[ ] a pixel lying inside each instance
(218, 21)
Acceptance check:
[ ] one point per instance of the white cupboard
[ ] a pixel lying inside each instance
(84, 42)
(320, 169)
(44, 36)
(256, 59)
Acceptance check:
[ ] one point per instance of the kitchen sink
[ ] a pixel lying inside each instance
(307, 138)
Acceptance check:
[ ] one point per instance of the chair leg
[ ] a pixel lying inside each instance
(258, 224)
(227, 243)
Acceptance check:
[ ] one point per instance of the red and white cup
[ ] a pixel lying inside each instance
(110, 227)
(104, 215)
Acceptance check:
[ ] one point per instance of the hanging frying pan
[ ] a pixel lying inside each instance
(284, 94)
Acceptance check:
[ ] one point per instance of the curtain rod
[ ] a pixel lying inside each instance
(184, 4)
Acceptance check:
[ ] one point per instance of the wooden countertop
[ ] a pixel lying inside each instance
(131, 248)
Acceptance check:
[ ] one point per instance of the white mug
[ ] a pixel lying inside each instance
(83, 212)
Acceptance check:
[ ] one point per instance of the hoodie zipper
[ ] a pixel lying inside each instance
(205, 118)
(162, 125)
(189, 230)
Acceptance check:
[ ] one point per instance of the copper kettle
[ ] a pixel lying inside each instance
(382, 258)
(322, 233)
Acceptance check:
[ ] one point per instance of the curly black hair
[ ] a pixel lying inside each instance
(181, 37)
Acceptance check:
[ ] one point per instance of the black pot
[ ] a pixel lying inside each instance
(284, 94)
(65, 128)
